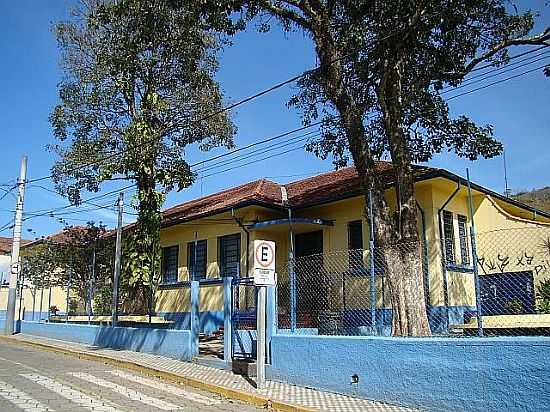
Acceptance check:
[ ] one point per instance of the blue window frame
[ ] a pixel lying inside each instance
(197, 270)
(229, 254)
(169, 267)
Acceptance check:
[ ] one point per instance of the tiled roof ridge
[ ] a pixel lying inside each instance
(215, 194)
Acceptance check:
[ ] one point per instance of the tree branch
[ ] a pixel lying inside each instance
(287, 13)
(540, 39)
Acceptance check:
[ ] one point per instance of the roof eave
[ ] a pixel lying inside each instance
(239, 205)
(456, 178)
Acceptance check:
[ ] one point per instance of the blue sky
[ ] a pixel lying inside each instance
(29, 73)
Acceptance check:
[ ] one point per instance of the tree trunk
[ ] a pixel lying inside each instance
(402, 246)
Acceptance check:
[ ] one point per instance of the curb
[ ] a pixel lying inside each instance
(247, 397)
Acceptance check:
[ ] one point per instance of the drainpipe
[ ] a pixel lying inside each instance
(247, 232)
(442, 241)
(426, 261)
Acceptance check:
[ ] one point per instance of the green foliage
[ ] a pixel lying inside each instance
(73, 307)
(379, 93)
(39, 265)
(514, 307)
(418, 47)
(538, 198)
(139, 88)
(543, 296)
(69, 257)
(103, 298)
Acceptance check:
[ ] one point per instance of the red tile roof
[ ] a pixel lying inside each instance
(257, 192)
(64, 236)
(314, 190)
(318, 189)
(5, 245)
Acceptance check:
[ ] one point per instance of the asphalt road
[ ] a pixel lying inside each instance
(37, 380)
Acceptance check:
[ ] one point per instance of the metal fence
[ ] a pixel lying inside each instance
(497, 283)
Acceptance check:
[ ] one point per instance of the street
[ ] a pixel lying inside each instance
(37, 380)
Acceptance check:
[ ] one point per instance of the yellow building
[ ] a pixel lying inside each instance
(325, 215)
(29, 301)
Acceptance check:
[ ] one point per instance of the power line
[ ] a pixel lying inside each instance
(496, 82)
(492, 74)
(242, 101)
(270, 139)
(8, 192)
(263, 150)
(286, 143)
(486, 66)
(255, 161)
(286, 151)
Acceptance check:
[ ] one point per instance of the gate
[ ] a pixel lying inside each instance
(243, 319)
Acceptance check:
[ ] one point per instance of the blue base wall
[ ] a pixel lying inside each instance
(437, 374)
(166, 342)
(209, 322)
(357, 322)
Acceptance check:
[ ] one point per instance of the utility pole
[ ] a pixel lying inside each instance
(118, 255)
(16, 243)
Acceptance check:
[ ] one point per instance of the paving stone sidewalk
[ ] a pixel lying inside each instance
(290, 394)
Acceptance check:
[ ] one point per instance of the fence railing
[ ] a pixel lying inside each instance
(350, 293)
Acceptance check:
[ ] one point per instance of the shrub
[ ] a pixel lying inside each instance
(543, 296)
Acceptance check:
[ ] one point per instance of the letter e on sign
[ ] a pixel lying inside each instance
(264, 262)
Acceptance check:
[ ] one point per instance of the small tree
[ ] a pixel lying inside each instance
(138, 88)
(69, 257)
(38, 267)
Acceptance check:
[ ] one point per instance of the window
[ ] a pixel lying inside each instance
(463, 237)
(449, 237)
(197, 270)
(355, 245)
(170, 264)
(355, 235)
(230, 255)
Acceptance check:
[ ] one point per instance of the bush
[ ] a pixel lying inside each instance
(73, 307)
(514, 306)
(102, 300)
(543, 296)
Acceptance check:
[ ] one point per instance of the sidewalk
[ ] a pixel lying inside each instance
(279, 395)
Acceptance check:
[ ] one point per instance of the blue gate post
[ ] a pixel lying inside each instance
(227, 325)
(194, 326)
(271, 318)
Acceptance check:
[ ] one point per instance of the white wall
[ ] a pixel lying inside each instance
(4, 269)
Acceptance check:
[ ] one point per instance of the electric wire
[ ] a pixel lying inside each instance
(490, 75)
(496, 82)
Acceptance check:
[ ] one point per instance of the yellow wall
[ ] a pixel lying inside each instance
(59, 299)
(210, 229)
(431, 196)
(507, 243)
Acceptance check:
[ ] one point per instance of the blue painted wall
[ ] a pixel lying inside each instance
(209, 322)
(437, 374)
(165, 342)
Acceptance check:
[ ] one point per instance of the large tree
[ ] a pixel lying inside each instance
(382, 67)
(138, 89)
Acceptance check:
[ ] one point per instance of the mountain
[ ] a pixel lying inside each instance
(538, 198)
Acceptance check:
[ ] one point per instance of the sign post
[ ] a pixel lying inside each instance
(264, 275)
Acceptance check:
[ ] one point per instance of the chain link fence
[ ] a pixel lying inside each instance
(502, 289)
